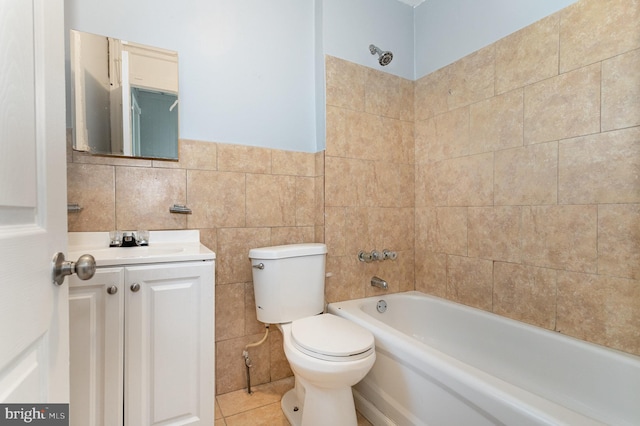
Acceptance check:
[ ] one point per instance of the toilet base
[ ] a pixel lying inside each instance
(291, 408)
(321, 407)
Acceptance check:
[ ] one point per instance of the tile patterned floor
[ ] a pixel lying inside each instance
(261, 408)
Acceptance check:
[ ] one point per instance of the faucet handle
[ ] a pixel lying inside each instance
(365, 257)
(376, 255)
(388, 254)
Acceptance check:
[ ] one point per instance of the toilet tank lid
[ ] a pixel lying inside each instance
(289, 250)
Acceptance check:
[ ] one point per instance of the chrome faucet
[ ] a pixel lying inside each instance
(128, 239)
(379, 282)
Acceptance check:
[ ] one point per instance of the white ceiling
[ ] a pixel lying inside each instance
(412, 3)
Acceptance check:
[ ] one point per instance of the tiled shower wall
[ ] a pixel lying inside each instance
(369, 179)
(527, 175)
(241, 197)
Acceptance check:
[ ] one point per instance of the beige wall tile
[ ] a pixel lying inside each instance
(293, 163)
(431, 273)
(357, 230)
(346, 181)
(230, 368)
(560, 237)
(425, 233)
(195, 155)
(239, 158)
(217, 199)
(529, 55)
(601, 168)
(425, 137)
(232, 254)
(279, 366)
(472, 78)
(465, 181)
(305, 201)
(495, 233)
(451, 138)
(209, 238)
(335, 230)
(563, 107)
(92, 187)
(527, 175)
(251, 323)
(442, 230)
(405, 153)
(230, 311)
(470, 281)
(356, 134)
(425, 186)
(342, 282)
(391, 228)
(271, 200)
(621, 91)
(143, 198)
(619, 240)
(525, 293)
(431, 94)
(392, 185)
(382, 93)
(344, 83)
(391, 141)
(593, 30)
(292, 235)
(600, 309)
(407, 88)
(496, 123)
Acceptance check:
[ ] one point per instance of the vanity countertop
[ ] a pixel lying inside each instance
(164, 246)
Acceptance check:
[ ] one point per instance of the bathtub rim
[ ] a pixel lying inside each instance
(473, 378)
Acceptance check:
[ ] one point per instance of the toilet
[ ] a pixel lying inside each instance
(327, 354)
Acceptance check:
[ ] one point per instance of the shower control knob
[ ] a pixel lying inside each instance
(135, 287)
(112, 289)
(388, 254)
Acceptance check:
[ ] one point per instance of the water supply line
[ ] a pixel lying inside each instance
(247, 360)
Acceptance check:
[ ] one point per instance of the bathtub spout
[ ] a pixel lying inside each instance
(379, 282)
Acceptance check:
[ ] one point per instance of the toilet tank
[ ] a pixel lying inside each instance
(288, 281)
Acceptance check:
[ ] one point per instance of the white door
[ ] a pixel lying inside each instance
(34, 336)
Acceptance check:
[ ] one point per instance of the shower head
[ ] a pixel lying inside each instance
(385, 57)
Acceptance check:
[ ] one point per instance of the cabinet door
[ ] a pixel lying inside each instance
(96, 337)
(169, 344)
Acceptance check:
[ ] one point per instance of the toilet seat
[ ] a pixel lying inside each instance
(331, 338)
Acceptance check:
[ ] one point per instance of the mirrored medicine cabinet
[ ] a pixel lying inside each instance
(124, 97)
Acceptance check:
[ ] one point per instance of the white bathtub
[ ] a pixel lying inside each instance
(442, 363)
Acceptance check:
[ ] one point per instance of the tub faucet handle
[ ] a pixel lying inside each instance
(379, 282)
(376, 255)
(365, 257)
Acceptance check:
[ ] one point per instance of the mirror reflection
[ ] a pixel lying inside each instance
(125, 97)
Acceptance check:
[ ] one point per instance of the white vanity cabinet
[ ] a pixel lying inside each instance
(142, 344)
(96, 335)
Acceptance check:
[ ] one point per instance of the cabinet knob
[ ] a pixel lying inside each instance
(135, 287)
(112, 289)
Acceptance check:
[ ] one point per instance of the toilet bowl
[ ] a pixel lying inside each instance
(328, 355)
